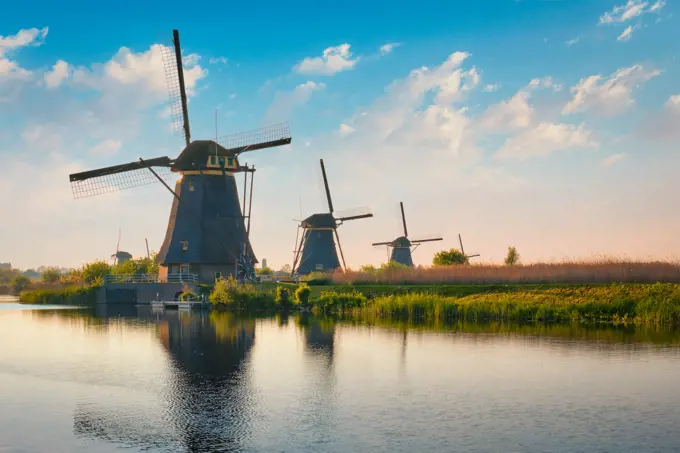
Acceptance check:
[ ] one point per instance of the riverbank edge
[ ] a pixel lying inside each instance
(638, 303)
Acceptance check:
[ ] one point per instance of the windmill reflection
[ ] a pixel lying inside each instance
(205, 406)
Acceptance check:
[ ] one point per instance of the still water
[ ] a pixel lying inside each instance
(133, 379)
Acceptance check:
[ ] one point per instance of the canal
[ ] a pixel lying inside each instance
(136, 379)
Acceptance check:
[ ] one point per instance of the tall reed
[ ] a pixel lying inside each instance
(598, 271)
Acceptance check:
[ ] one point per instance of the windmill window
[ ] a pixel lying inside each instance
(230, 161)
(319, 267)
(185, 245)
(221, 160)
(212, 160)
(218, 275)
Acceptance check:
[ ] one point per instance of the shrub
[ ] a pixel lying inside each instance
(231, 295)
(19, 283)
(449, 257)
(282, 296)
(188, 296)
(95, 272)
(71, 295)
(331, 300)
(302, 294)
(318, 279)
(51, 275)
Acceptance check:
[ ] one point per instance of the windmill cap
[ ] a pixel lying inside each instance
(199, 151)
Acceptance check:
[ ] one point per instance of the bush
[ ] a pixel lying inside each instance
(70, 295)
(19, 283)
(318, 279)
(282, 296)
(93, 273)
(302, 294)
(330, 300)
(231, 295)
(450, 257)
(51, 275)
(188, 296)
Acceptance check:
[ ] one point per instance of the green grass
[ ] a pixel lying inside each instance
(70, 295)
(618, 303)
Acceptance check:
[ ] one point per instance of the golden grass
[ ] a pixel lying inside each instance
(598, 271)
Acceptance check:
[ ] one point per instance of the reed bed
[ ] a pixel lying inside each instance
(657, 304)
(598, 271)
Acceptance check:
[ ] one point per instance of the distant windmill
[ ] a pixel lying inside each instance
(462, 250)
(120, 256)
(401, 246)
(207, 233)
(316, 250)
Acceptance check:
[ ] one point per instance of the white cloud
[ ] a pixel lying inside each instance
(657, 6)
(630, 10)
(29, 37)
(218, 60)
(491, 88)
(57, 75)
(608, 96)
(514, 113)
(573, 41)
(546, 138)
(333, 60)
(389, 47)
(622, 13)
(144, 70)
(106, 148)
(626, 34)
(611, 160)
(9, 69)
(285, 102)
(232, 95)
(345, 129)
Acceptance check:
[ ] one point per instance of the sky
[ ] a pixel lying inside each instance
(553, 127)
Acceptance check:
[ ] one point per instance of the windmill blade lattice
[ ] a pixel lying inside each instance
(265, 137)
(174, 91)
(119, 177)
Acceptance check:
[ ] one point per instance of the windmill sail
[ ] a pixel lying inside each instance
(119, 177)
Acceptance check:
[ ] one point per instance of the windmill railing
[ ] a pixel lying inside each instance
(112, 279)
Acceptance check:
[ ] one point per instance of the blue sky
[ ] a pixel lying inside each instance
(550, 126)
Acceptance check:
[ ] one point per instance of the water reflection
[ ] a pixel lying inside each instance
(205, 392)
(356, 384)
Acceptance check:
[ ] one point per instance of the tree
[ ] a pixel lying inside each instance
(286, 268)
(393, 265)
(449, 257)
(19, 283)
(512, 257)
(95, 272)
(264, 270)
(51, 275)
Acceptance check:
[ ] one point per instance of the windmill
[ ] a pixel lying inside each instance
(462, 250)
(401, 246)
(120, 256)
(207, 234)
(316, 250)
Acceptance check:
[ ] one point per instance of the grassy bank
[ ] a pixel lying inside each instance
(68, 295)
(650, 304)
